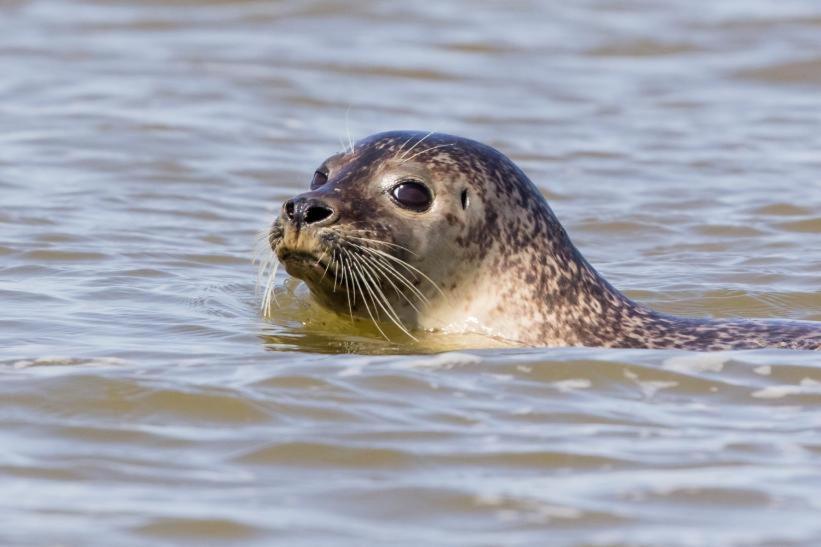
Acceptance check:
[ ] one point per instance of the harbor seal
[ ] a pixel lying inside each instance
(427, 231)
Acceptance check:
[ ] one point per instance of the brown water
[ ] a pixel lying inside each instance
(144, 145)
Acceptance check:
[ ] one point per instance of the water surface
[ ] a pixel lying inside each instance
(145, 145)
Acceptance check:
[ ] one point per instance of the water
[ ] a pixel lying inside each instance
(145, 145)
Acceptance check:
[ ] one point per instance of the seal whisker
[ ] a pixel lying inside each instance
(348, 129)
(382, 300)
(357, 280)
(380, 269)
(420, 141)
(263, 276)
(407, 266)
(384, 243)
(402, 146)
(341, 275)
(389, 269)
(398, 260)
(319, 263)
(347, 287)
(369, 262)
(377, 266)
(333, 261)
(346, 269)
(262, 270)
(261, 237)
(424, 151)
(270, 293)
(262, 248)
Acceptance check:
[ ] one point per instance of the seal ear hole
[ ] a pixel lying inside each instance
(465, 199)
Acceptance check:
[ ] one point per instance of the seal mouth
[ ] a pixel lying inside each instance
(305, 265)
(286, 255)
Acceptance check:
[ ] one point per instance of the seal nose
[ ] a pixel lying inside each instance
(302, 211)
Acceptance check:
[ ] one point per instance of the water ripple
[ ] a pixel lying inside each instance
(146, 145)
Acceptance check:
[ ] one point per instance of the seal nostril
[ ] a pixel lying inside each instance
(317, 213)
(289, 209)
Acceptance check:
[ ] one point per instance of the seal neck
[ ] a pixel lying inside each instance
(558, 298)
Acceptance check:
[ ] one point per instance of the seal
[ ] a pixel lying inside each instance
(427, 231)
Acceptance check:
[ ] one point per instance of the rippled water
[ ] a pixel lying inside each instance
(145, 145)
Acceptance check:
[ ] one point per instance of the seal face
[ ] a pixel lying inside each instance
(437, 232)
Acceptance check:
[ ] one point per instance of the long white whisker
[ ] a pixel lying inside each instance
(415, 145)
(336, 270)
(328, 265)
(262, 270)
(351, 273)
(390, 268)
(373, 286)
(404, 265)
(365, 301)
(348, 128)
(388, 272)
(403, 145)
(383, 300)
(382, 243)
(270, 293)
(386, 275)
(410, 268)
(380, 254)
(426, 150)
(347, 288)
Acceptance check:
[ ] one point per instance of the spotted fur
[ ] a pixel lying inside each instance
(503, 265)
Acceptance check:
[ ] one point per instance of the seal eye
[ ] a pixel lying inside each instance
(412, 195)
(319, 179)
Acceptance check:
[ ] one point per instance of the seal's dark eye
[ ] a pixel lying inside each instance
(412, 195)
(319, 179)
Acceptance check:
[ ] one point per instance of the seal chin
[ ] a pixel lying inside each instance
(321, 275)
(305, 265)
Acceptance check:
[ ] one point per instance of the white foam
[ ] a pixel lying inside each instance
(54, 361)
(696, 362)
(523, 411)
(572, 384)
(441, 360)
(805, 386)
(500, 377)
(649, 387)
(357, 365)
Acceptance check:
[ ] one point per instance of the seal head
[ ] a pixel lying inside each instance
(437, 232)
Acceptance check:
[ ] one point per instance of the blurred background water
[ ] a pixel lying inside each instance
(145, 145)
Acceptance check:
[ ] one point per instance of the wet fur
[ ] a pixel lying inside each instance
(503, 266)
